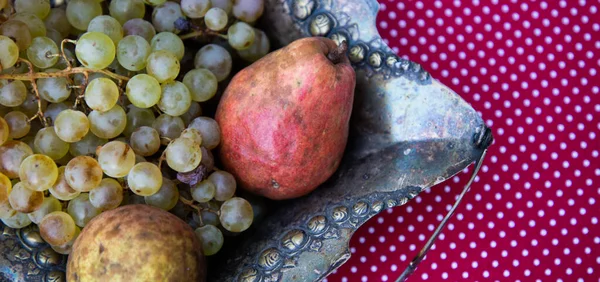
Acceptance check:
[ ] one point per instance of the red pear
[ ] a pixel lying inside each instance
(285, 118)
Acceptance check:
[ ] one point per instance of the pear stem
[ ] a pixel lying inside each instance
(336, 55)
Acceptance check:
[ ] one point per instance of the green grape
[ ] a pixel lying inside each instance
(202, 84)
(66, 249)
(154, 3)
(57, 228)
(62, 63)
(209, 129)
(25, 200)
(162, 65)
(236, 214)
(9, 52)
(82, 210)
(18, 124)
(18, 31)
(61, 188)
(16, 220)
(35, 25)
(170, 42)
(109, 124)
(145, 141)
(240, 36)
(124, 10)
(12, 93)
(5, 188)
(211, 238)
(144, 179)
(41, 52)
(87, 146)
(137, 118)
(216, 19)
(225, 185)
(168, 126)
(139, 27)
(139, 159)
(4, 131)
(3, 4)
(101, 94)
(116, 158)
(132, 52)
(48, 143)
(248, 10)
(175, 99)
(53, 89)
(208, 217)
(108, 195)
(12, 154)
(49, 205)
(192, 134)
(57, 20)
(226, 5)
(183, 155)
(214, 58)
(203, 191)
(107, 25)
(81, 12)
(71, 126)
(6, 211)
(167, 196)
(64, 160)
(193, 112)
(54, 109)
(30, 105)
(83, 173)
(195, 9)
(56, 37)
(165, 15)
(259, 48)
(40, 8)
(95, 50)
(143, 91)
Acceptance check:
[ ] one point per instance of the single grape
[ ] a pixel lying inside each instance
(18, 32)
(248, 10)
(226, 5)
(168, 41)
(48, 143)
(143, 91)
(65, 249)
(203, 191)
(87, 145)
(137, 118)
(71, 126)
(193, 134)
(202, 84)
(225, 185)
(168, 126)
(34, 23)
(167, 196)
(40, 8)
(107, 25)
(83, 173)
(57, 20)
(195, 9)
(108, 195)
(165, 15)
(81, 12)
(132, 52)
(116, 159)
(145, 141)
(214, 58)
(162, 65)
(18, 124)
(61, 188)
(109, 124)
(82, 210)
(193, 112)
(240, 36)
(236, 214)
(9, 52)
(49, 205)
(30, 105)
(54, 89)
(183, 155)
(94, 49)
(12, 154)
(16, 220)
(139, 27)
(209, 129)
(25, 200)
(144, 179)
(124, 10)
(57, 228)
(5, 188)
(12, 93)
(211, 238)
(259, 48)
(216, 19)
(175, 99)
(101, 94)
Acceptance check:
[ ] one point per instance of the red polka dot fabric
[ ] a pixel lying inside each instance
(530, 68)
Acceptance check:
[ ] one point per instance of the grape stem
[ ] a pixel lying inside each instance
(198, 33)
(190, 203)
(62, 73)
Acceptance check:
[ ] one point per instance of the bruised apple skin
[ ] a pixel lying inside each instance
(285, 118)
(136, 243)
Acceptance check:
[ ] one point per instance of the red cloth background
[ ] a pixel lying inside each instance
(530, 68)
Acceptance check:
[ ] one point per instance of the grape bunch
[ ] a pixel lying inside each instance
(101, 110)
